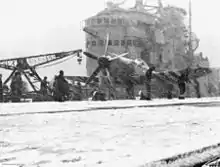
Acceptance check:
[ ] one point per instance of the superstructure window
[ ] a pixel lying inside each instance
(161, 58)
(113, 21)
(122, 42)
(88, 22)
(87, 44)
(101, 42)
(106, 20)
(93, 43)
(116, 42)
(110, 42)
(120, 21)
(136, 43)
(93, 21)
(99, 20)
(129, 42)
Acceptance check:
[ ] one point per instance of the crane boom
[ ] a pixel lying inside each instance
(34, 61)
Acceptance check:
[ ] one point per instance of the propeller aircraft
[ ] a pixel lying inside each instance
(126, 71)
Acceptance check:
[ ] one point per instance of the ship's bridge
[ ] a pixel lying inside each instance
(129, 30)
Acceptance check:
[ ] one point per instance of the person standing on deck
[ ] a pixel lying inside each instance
(16, 86)
(148, 75)
(79, 92)
(183, 79)
(62, 87)
(44, 86)
(1, 89)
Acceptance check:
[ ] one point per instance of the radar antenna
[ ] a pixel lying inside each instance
(114, 3)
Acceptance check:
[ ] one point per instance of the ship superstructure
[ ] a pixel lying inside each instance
(129, 29)
(156, 34)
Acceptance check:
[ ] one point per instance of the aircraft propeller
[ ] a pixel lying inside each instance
(103, 61)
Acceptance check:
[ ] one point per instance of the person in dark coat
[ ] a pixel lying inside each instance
(197, 88)
(16, 87)
(1, 89)
(148, 76)
(62, 87)
(183, 79)
(142, 96)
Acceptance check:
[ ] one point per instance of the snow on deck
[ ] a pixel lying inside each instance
(54, 107)
(116, 137)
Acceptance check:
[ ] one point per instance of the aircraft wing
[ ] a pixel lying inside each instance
(198, 72)
(172, 76)
(169, 76)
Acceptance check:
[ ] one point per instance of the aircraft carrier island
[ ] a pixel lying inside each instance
(156, 34)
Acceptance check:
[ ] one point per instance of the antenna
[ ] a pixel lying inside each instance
(160, 3)
(190, 30)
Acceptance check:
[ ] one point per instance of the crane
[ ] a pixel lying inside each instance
(27, 65)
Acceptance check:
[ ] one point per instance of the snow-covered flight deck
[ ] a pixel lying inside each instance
(133, 133)
(7, 109)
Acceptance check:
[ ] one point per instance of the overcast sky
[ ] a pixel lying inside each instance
(30, 27)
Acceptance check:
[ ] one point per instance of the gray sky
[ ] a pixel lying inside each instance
(30, 27)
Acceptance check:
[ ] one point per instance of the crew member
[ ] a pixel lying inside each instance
(142, 96)
(197, 87)
(148, 75)
(44, 86)
(16, 87)
(183, 79)
(1, 89)
(78, 90)
(169, 91)
(62, 87)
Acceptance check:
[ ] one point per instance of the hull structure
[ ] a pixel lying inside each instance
(137, 31)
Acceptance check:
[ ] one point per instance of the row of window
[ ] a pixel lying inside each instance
(135, 43)
(105, 20)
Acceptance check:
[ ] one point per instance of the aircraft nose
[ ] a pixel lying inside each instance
(103, 62)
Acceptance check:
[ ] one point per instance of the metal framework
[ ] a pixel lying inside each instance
(27, 65)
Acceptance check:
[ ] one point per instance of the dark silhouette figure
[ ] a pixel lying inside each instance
(1, 89)
(197, 88)
(44, 86)
(130, 90)
(142, 96)
(97, 95)
(148, 76)
(61, 87)
(169, 92)
(183, 79)
(16, 87)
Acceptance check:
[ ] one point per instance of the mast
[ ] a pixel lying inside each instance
(190, 31)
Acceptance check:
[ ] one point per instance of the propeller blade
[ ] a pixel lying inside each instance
(91, 55)
(112, 54)
(97, 70)
(112, 88)
(106, 44)
(119, 56)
